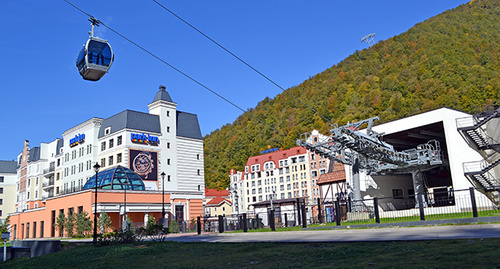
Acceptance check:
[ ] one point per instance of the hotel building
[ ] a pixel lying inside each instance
(164, 141)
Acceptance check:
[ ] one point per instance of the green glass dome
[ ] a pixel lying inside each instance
(116, 178)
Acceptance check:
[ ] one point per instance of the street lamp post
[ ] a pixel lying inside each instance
(96, 168)
(162, 194)
(163, 220)
(125, 223)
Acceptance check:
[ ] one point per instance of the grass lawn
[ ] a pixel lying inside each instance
(480, 253)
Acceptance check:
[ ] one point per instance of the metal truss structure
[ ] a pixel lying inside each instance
(347, 143)
(367, 151)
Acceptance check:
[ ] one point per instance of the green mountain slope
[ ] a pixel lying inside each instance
(452, 59)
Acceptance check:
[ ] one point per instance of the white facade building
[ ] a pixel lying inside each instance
(8, 178)
(162, 141)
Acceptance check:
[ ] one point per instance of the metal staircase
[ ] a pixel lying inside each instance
(481, 174)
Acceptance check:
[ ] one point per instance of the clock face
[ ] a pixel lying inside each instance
(143, 164)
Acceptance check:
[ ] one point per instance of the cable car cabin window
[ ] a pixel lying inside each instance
(81, 59)
(99, 53)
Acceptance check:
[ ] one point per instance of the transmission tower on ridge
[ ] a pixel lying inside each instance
(369, 39)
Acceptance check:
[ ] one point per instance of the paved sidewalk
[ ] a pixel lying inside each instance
(353, 235)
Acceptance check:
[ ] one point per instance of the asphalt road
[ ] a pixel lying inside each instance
(352, 235)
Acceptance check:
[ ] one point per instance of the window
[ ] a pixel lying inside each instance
(110, 160)
(199, 172)
(1, 190)
(119, 140)
(168, 162)
(118, 158)
(168, 129)
(103, 146)
(111, 143)
(397, 193)
(197, 156)
(168, 145)
(1, 179)
(103, 162)
(41, 228)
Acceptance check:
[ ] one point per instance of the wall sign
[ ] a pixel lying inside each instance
(144, 163)
(269, 150)
(78, 139)
(144, 138)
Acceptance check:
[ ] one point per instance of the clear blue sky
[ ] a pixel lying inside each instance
(42, 94)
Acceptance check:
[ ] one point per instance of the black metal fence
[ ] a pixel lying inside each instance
(449, 204)
(453, 204)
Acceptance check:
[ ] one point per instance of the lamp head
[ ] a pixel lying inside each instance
(96, 167)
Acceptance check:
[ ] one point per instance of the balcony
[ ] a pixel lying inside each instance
(49, 172)
(48, 184)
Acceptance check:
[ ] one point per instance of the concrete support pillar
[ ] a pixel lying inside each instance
(419, 187)
(356, 184)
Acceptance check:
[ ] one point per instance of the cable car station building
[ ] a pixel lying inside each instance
(141, 156)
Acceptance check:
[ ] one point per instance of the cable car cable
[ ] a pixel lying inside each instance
(241, 60)
(182, 73)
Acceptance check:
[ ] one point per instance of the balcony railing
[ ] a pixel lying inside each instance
(49, 170)
(49, 183)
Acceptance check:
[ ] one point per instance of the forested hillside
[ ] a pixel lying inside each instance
(452, 59)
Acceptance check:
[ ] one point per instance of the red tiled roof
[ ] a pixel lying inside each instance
(216, 193)
(218, 201)
(338, 174)
(275, 156)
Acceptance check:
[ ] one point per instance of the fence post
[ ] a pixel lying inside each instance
(221, 224)
(257, 220)
(286, 220)
(320, 219)
(298, 211)
(271, 220)
(304, 216)
(198, 224)
(421, 206)
(337, 212)
(473, 202)
(245, 225)
(375, 205)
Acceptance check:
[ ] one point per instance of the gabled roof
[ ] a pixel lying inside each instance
(335, 173)
(163, 95)
(187, 125)
(216, 193)
(217, 201)
(8, 167)
(133, 120)
(275, 156)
